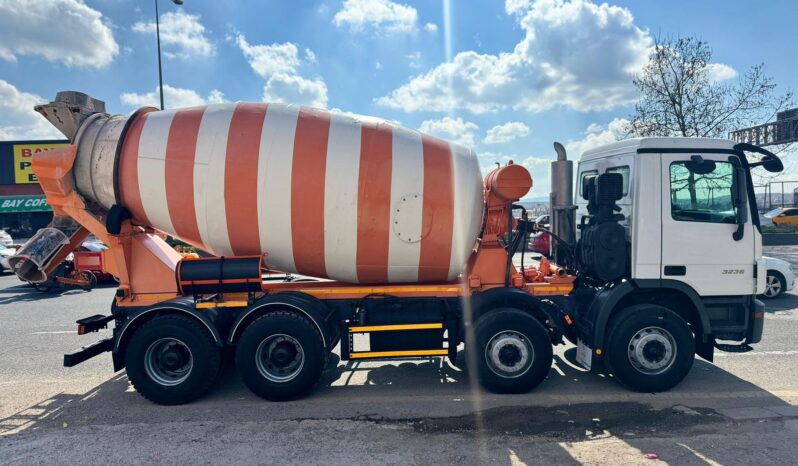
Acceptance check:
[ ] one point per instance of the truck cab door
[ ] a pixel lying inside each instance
(699, 221)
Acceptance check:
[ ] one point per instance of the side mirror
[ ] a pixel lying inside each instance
(769, 161)
(772, 163)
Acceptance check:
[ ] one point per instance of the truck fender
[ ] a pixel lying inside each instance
(482, 302)
(311, 307)
(182, 306)
(606, 301)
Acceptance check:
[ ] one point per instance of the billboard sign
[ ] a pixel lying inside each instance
(16, 160)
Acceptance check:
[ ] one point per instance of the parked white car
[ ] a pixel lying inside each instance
(5, 253)
(6, 239)
(780, 277)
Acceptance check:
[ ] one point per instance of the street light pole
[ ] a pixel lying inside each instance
(158, 40)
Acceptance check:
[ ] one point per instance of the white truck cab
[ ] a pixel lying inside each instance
(693, 253)
(680, 225)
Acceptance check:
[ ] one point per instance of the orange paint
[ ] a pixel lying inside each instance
(436, 247)
(181, 147)
(129, 167)
(241, 177)
(373, 203)
(307, 191)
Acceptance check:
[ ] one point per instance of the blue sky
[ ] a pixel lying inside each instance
(518, 76)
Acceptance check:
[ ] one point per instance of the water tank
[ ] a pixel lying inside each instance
(351, 198)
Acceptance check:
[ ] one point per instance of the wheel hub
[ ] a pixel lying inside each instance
(279, 358)
(509, 354)
(772, 286)
(652, 350)
(168, 361)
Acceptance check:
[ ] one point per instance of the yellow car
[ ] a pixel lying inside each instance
(783, 216)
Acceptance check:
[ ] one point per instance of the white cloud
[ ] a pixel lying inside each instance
(18, 120)
(506, 132)
(294, 89)
(720, 72)
(578, 55)
(513, 7)
(270, 59)
(431, 27)
(456, 130)
(66, 31)
(279, 65)
(414, 59)
(174, 97)
(182, 35)
(597, 135)
(377, 16)
(310, 57)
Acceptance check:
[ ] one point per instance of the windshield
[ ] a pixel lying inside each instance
(773, 213)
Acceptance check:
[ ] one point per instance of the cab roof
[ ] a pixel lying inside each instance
(632, 145)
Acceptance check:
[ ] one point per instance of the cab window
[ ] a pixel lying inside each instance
(702, 197)
(585, 174)
(624, 171)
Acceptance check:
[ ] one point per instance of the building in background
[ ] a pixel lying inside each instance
(23, 208)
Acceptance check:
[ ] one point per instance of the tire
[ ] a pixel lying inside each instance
(514, 351)
(774, 285)
(281, 356)
(88, 277)
(650, 348)
(179, 339)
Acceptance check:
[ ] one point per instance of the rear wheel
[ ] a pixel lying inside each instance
(280, 356)
(650, 348)
(514, 351)
(89, 278)
(172, 360)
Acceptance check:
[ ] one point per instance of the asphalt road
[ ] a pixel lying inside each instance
(740, 410)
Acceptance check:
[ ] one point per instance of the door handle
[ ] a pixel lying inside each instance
(679, 270)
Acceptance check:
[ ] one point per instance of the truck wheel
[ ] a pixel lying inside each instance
(514, 351)
(88, 277)
(280, 356)
(172, 360)
(650, 348)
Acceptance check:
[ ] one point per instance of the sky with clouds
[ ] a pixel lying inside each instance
(507, 78)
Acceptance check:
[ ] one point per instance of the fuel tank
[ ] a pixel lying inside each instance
(350, 198)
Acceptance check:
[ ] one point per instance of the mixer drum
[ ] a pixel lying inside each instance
(355, 199)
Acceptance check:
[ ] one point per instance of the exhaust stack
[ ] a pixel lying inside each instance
(562, 208)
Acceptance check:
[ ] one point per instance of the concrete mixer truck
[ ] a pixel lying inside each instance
(332, 231)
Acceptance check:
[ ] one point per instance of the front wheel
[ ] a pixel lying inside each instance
(774, 285)
(172, 360)
(280, 356)
(650, 348)
(514, 351)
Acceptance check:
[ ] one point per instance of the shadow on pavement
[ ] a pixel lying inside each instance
(782, 303)
(430, 394)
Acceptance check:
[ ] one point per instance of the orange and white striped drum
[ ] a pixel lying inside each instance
(355, 199)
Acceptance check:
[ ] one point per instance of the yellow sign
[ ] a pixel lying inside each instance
(23, 161)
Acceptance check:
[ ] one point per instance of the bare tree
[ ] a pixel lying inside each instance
(682, 93)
